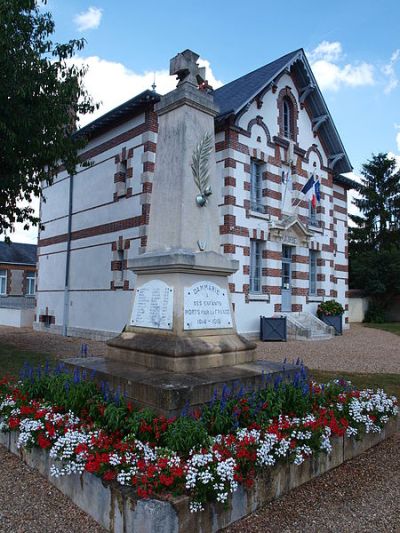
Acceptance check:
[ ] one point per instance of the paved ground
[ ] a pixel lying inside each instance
(360, 349)
(362, 495)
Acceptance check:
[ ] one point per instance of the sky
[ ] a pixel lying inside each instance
(353, 47)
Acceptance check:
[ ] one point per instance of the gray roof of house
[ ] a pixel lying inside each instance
(234, 96)
(231, 97)
(18, 253)
(119, 114)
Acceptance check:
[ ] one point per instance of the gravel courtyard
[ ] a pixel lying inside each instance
(360, 349)
(362, 495)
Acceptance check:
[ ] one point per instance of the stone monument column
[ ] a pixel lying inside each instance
(182, 317)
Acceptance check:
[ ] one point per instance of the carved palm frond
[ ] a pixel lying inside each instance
(200, 157)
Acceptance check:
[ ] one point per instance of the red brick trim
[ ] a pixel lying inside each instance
(102, 229)
(259, 122)
(150, 124)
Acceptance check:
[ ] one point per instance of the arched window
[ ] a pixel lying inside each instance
(287, 118)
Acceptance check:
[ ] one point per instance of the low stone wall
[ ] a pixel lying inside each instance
(120, 511)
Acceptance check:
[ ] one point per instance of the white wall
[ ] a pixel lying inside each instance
(17, 318)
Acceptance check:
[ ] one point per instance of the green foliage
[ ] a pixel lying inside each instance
(62, 389)
(377, 272)
(330, 308)
(41, 95)
(375, 313)
(184, 434)
(374, 240)
(378, 201)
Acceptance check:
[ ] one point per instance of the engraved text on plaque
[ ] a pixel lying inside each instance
(206, 306)
(153, 306)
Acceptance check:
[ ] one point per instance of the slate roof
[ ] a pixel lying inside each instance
(18, 253)
(234, 95)
(118, 114)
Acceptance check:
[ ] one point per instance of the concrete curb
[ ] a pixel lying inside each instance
(120, 511)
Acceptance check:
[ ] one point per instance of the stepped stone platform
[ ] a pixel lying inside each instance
(306, 326)
(168, 393)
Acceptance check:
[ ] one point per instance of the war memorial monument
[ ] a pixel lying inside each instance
(180, 343)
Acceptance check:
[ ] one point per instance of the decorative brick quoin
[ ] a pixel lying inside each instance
(273, 132)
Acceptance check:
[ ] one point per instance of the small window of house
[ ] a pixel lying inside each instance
(30, 283)
(256, 203)
(255, 266)
(3, 282)
(287, 118)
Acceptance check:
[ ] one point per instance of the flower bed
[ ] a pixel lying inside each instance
(206, 454)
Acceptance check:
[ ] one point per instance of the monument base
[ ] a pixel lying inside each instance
(168, 393)
(177, 353)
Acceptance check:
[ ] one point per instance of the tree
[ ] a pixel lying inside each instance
(41, 98)
(378, 224)
(374, 240)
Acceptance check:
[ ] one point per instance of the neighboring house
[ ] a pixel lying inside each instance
(17, 283)
(273, 131)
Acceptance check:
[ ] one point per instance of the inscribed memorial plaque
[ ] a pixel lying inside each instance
(153, 306)
(206, 306)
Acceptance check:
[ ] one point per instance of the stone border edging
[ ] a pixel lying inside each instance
(118, 509)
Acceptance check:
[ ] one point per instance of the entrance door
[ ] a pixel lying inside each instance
(286, 286)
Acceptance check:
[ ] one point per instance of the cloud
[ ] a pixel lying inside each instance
(88, 20)
(326, 62)
(396, 158)
(327, 51)
(20, 234)
(389, 71)
(112, 83)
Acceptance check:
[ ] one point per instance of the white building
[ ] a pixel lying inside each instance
(273, 132)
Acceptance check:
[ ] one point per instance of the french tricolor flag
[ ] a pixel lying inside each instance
(312, 190)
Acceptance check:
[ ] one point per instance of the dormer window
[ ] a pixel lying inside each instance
(287, 119)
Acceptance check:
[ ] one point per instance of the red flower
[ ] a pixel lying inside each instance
(43, 441)
(109, 475)
(92, 467)
(13, 422)
(166, 480)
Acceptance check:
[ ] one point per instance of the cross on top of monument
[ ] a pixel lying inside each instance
(184, 66)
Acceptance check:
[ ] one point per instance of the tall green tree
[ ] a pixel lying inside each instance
(41, 98)
(374, 237)
(378, 224)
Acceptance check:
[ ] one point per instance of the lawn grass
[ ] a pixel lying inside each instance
(392, 327)
(13, 358)
(390, 383)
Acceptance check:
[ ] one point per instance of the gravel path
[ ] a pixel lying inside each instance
(362, 495)
(38, 341)
(30, 504)
(360, 349)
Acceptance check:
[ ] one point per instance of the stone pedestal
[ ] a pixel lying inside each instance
(197, 330)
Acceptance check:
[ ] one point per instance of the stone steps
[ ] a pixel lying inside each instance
(305, 326)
